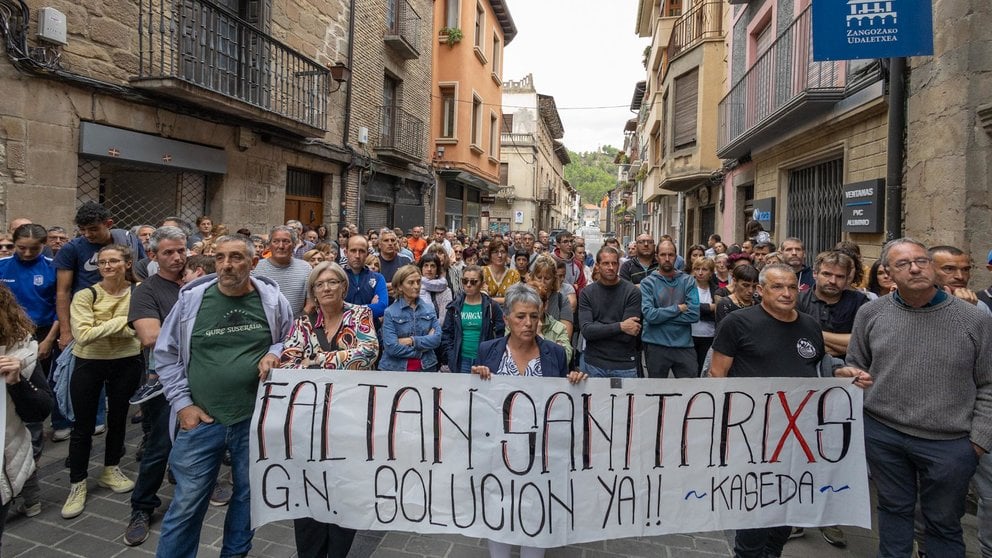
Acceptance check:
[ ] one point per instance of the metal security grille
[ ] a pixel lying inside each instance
(137, 195)
(375, 216)
(815, 205)
(304, 184)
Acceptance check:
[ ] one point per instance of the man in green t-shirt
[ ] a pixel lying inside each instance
(223, 335)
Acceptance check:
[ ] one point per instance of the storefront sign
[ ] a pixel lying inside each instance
(764, 213)
(541, 462)
(863, 205)
(488, 199)
(857, 29)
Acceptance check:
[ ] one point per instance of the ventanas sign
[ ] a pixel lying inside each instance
(857, 29)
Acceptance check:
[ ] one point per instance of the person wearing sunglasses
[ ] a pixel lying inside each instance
(472, 317)
(6, 246)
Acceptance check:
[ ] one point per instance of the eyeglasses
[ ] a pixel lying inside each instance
(105, 263)
(330, 283)
(470, 282)
(902, 265)
(6, 246)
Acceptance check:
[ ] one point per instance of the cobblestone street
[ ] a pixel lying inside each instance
(98, 532)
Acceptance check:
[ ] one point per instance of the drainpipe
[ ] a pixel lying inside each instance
(346, 170)
(896, 148)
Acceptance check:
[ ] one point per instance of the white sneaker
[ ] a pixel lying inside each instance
(100, 429)
(75, 503)
(61, 434)
(114, 479)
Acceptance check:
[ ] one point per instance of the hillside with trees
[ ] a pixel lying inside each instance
(592, 173)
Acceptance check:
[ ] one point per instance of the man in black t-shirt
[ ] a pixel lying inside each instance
(833, 306)
(771, 339)
(831, 303)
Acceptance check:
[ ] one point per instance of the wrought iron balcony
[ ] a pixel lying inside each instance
(785, 89)
(199, 52)
(401, 135)
(402, 29)
(703, 21)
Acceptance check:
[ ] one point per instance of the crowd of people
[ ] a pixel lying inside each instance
(183, 321)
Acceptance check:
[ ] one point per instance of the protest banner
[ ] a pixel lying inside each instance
(541, 462)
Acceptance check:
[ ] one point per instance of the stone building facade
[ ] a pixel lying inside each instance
(948, 168)
(228, 109)
(534, 194)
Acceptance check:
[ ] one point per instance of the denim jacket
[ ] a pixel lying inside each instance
(420, 323)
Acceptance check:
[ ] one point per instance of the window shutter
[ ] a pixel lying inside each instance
(685, 109)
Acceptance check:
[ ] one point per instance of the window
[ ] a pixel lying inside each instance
(387, 126)
(507, 123)
(496, 57)
(480, 17)
(449, 107)
(685, 109)
(452, 13)
(476, 121)
(504, 174)
(493, 135)
(392, 16)
(673, 8)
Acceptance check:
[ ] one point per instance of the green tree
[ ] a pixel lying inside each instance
(592, 173)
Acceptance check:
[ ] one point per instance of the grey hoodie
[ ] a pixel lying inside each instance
(173, 345)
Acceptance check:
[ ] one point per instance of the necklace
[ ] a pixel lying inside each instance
(737, 301)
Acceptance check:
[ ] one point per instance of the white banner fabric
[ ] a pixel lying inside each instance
(541, 462)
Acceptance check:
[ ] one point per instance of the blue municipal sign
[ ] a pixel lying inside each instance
(855, 29)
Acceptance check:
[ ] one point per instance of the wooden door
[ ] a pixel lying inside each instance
(308, 211)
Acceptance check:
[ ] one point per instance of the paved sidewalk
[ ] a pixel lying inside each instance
(99, 531)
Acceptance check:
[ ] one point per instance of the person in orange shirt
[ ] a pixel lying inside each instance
(416, 242)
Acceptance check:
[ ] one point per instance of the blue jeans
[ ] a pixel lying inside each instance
(597, 372)
(156, 455)
(983, 488)
(195, 459)
(904, 466)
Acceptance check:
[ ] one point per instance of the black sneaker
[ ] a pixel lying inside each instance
(221, 494)
(146, 392)
(138, 529)
(797, 533)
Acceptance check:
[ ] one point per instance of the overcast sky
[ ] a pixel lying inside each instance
(584, 53)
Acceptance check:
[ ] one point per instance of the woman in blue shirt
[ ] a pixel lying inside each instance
(410, 328)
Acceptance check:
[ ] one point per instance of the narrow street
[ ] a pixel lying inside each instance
(99, 531)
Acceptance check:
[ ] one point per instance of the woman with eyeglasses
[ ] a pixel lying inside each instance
(334, 336)
(471, 318)
(497, 276)
(410, 328)
(108, 354)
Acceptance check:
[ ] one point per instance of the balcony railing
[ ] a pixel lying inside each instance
(199, 43)
(401, 135)
(403, 25)
(515, 139)
(784, 78)
(702, 21)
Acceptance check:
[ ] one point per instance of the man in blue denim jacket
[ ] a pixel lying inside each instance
(222, 336)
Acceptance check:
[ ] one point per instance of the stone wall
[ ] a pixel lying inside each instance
(39, 138)
(862, 140)
(949, 152)
(39, 118)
